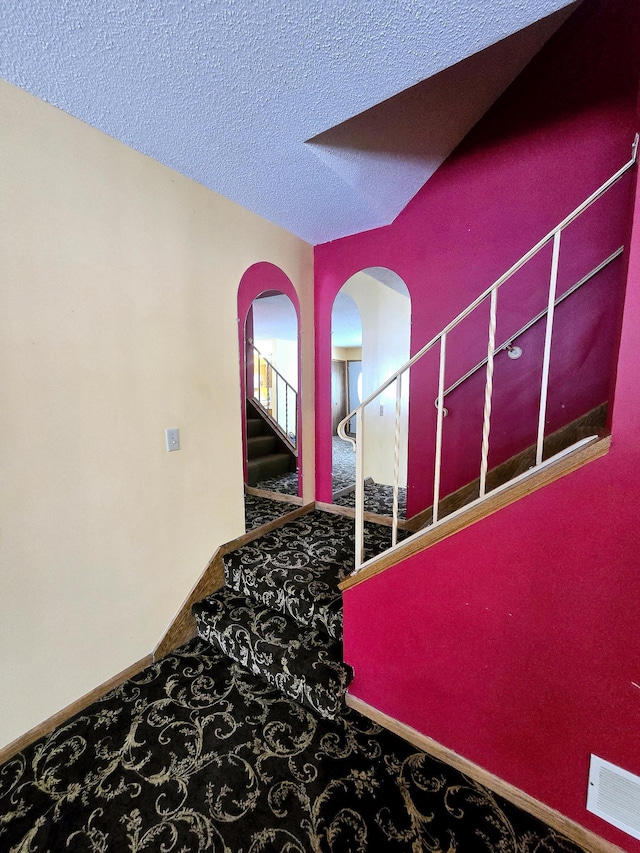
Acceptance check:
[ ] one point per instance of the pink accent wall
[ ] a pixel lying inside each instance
(559, 131)
(260, 278)
(515, 642)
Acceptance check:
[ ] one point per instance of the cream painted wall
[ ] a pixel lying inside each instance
(118, 307)
(386, 329)
(346, 353)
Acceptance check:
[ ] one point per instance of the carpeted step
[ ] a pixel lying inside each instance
(261, 445)
(304, 665)
(296, 569)
(256, 426)
(265, 467)
(308, 597)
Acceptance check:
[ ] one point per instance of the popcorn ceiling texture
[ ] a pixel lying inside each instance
(228, 92)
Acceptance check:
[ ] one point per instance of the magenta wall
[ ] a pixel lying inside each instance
(257, 279)
(515, 643)
(560, 130)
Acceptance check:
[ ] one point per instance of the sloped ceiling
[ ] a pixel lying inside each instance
(323, 116)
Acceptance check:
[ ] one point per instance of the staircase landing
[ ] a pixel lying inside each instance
(280, 612)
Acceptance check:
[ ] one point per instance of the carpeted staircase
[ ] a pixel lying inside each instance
(267, 456)
(280, 613)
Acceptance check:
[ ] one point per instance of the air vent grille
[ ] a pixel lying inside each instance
(614, 795)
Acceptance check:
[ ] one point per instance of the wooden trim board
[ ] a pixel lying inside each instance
(273, 496)
(34, 734)
(493, 503)
(183, 626)
(349, 512)
(586, 839)
(348, 490)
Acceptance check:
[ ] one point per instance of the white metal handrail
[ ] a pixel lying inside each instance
(270, 394)
(509, 342)
(492, 293)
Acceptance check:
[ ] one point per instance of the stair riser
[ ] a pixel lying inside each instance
(304, 666)
(296, 570)
(309, 602)
(256, 426)
(261, 445)
(266, 467)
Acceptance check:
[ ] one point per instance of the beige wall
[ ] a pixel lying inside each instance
(346, 353)
(118, 307)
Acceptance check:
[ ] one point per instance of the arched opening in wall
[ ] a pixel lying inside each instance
(370, 337)
(271, 347)
(270, 372)
(346, 387)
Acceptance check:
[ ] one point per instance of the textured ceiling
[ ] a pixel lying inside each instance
(277, 104)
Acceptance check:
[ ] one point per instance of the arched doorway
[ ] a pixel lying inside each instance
(374, 302)
(346, 386)
(269, 372)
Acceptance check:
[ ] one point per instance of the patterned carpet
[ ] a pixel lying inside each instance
(259, 511)
(343, 464)
(195, 754)
(280, 611)
(240, 741)
(286, 484)
(378, 499)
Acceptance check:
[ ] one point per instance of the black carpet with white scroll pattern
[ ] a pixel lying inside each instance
(195, 754)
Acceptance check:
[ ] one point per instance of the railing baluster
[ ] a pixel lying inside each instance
(553, 283)
(262, 402)
(359, 488)
(286, 409)
(439, 425)
(396, 462)
(488, 392)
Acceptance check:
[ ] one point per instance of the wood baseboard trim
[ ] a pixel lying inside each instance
(273, 496)
(348, 490)
(508, 494)
(183, 626)
(349, 512)
(586, 839)
(44, 728)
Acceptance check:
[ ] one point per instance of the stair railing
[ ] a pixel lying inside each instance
(276, 398)
(515, 351)
(440, 340)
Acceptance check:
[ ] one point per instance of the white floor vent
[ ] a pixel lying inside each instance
(614, 795)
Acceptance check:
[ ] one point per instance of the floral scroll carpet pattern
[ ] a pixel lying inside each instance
(377, 498)
(285, 484)
(195, 754)
(280, 612)
(259, 511)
